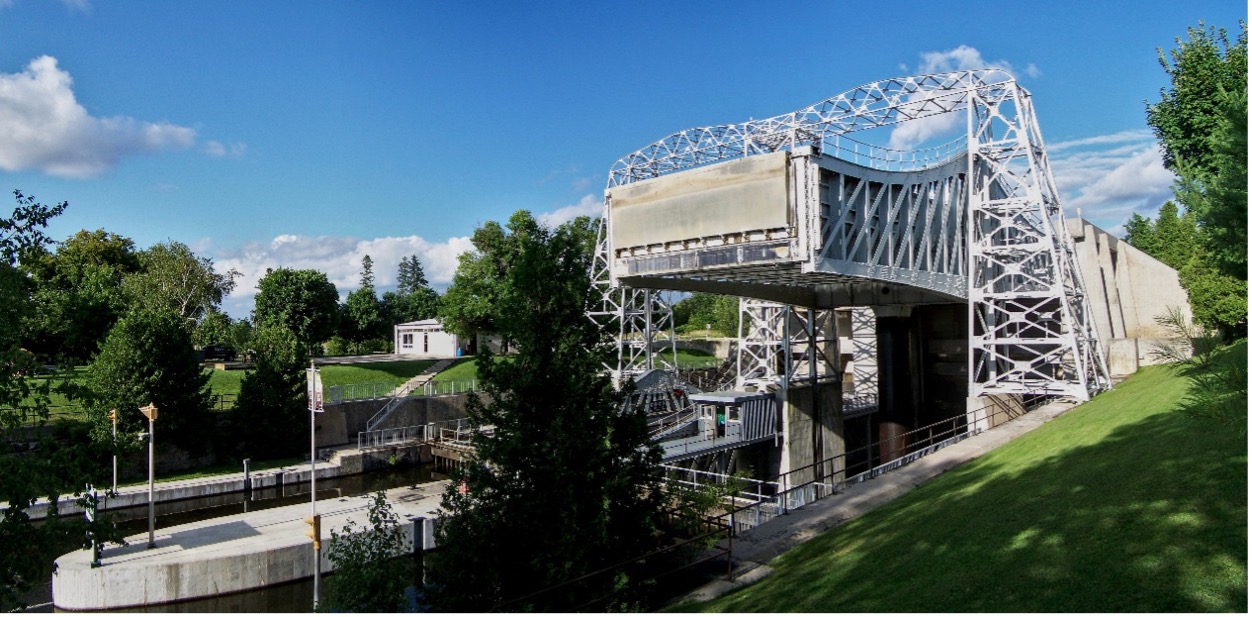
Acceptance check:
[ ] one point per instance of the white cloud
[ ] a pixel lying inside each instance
(218, 149)
(339, 258)
(908, 135)
(1111, 176)
(43, 127)
(589, 205)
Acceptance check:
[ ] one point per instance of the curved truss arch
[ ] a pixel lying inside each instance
(1030, 329)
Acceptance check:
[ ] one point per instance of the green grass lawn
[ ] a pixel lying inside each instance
(464, 369)
(395, 373)
(1120, 505)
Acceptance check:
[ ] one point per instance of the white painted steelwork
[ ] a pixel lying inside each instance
(933, 225)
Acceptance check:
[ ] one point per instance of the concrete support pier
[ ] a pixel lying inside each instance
(222, 555)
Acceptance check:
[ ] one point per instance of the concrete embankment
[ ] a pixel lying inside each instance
(226, 555)
(341, 463)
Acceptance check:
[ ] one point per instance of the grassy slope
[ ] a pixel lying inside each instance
(466, 369)
(395, 373)
(1119, 505)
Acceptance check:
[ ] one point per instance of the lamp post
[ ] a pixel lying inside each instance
(113, 419)
(314, 521)
(150, 412)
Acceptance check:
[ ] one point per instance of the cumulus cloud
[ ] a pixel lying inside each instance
(1109, 177)
(338, 257)
(589, 205)
(908, 135)
(43, 127)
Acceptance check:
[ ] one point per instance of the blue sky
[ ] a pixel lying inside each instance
(307, 134)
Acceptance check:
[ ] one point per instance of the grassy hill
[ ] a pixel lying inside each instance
(1120, 505)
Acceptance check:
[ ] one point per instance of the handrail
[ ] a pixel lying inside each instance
(396, 399)
(789, 496)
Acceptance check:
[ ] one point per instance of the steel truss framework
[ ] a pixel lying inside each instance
(1029, 316)
(641, 320)
(783, 344)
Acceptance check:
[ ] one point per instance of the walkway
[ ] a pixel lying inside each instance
(756, 547)
(415, 384)
(221, 555)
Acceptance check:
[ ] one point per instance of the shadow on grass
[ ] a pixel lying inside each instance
(1150, 517)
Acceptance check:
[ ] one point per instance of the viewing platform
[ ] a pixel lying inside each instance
(224, 555)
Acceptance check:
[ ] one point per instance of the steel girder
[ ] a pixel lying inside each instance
(1029, 316)
(640, 320)
(780, 345)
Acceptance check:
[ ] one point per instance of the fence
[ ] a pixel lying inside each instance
(447, 431)
(359, 392)
(833, 475)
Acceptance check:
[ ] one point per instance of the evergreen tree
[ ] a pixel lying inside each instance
(363, 319)
(568, 482)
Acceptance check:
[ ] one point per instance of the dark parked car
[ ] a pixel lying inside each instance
(218, 352)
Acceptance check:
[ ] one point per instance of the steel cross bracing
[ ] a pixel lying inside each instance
(639, 320)
(1028, 313)
(782, 345)
(1029, 316)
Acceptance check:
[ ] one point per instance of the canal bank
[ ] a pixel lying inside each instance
(226, 555)
(338, 463)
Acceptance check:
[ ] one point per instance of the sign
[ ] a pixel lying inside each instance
(316, 403)
(149, 411)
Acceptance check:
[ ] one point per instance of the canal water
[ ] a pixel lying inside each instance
(286, 598)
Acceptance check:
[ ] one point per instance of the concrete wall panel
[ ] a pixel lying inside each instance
(728, 198)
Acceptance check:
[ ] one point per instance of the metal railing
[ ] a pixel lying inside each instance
(442, 387)
(447, 431)
(772, 498)
(390, 437)
(386, 410)
(359, 392)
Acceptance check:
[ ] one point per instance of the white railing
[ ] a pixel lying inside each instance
(391, 406)
(390, 437)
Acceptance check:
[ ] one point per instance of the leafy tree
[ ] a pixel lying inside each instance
(273, 399)
(148, 358)
(527, 521)
(175, 279)
(1218, 300)
(701, 311)
(368, 577)
(302, 301)
(214, 328)
(1202, 120)
(77, 291)
(49, 469)
(480, 281)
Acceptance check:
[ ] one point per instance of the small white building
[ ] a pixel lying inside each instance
(426, 338)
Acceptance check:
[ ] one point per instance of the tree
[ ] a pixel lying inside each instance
(363, 318)
(273, 399)
(1218, 300)
(411, 276)
(175, 279)
(413, 299)
(703, 311)
(302, 301)
(49, 469)
(147, 358)
(468, 307)
(368, 577)
(1201, 121)
(78, 292)
(568, 482)
(214, 328)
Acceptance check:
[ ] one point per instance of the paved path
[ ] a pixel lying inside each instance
(756, 547)
(221, 555)
(422, 378)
